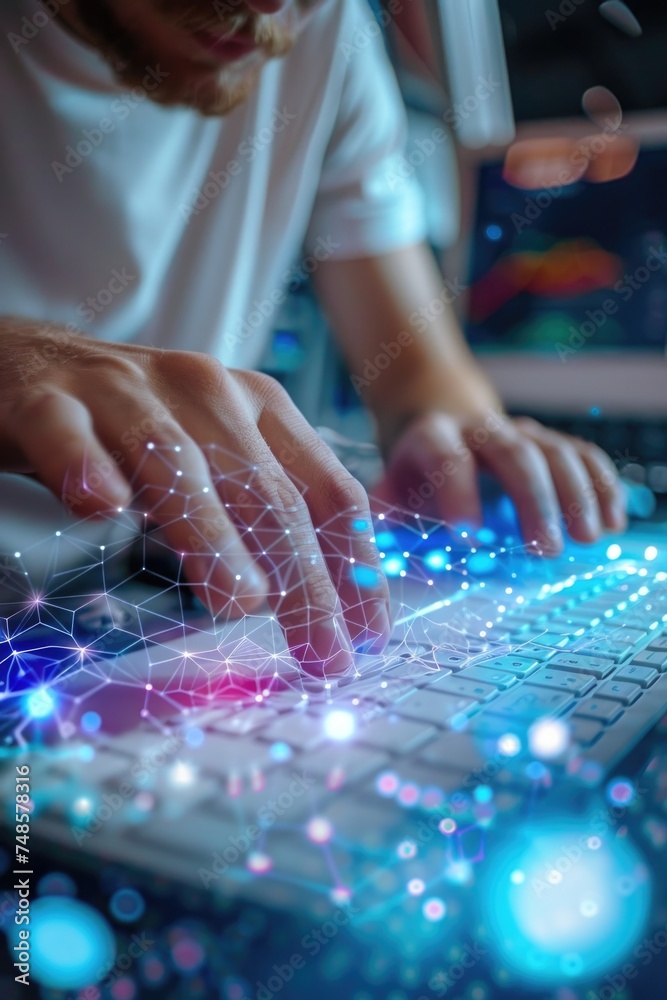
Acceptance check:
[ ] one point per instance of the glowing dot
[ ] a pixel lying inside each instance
(394, 565)
(387, 784)
(434, 909)
(150, 446)
(126, 905)
(205, 490)
(435, 560)
(40, 703)
(407, 849)
(82, 806)
(447, 826)
(280, 751)
(408, 795)
(554, 877)
(319, 830)
(483, 793)
(548, 738)
(258, 863)
(594, 843)
(493, 233)
(69, 943)
(360, 524)
(416, 886)
(339, 725)
(621, 792)
(187, 954)
(90, 722)
(614, 551)
(517, 877)
(509, 745)
(340, 895)
(650, 553)
(149, 687)
(17, 555)
(182, 774)
(589, 908)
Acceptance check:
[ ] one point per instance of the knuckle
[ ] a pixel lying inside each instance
(200, 372)
(115, 368)
(342, 492)
(283, 497)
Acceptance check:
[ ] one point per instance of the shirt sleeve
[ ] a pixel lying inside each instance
(367, 201)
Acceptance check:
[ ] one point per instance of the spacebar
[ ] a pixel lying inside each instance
(637, 719)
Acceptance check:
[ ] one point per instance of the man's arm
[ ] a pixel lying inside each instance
(439, 419)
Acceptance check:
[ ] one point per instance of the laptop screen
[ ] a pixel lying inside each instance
(583, 269)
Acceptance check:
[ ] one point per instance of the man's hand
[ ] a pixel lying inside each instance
(213, 456)
(433, 468)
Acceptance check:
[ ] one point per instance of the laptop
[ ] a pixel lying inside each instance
(498, 744)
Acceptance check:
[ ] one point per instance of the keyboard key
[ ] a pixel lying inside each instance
(596, 666)
(528, 702)
(576, 618)
(247, 720)
(585, 731)
(563, 680)
(482, 672)
(338, 765)
(448, 660)
(551, 640)
(621, 691)
(429, 705)
(298, 730)
(622, 636)
(395, 735)
(520, 666)
(637, 675)
(466, 687)
(659, 644)
(651, 658)
(608, 649)
(533, 651)
(602, 709)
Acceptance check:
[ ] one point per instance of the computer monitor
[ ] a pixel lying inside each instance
(567, 297)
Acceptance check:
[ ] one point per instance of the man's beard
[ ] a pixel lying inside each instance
(213, 92)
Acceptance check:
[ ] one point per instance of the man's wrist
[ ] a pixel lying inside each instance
(461, 392)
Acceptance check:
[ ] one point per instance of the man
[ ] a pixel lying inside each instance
(163, 163)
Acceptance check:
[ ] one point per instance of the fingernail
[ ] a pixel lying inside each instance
(322, 648)
(592, 522)
(374, 634)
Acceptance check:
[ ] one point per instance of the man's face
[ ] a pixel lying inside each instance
(211, 50)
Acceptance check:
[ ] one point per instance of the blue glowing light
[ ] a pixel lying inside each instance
(40, 703)
(280, 751)
(486, 536)
(194, 736)
(481, 564)
(394, 565)
(364, 576)
(554, 904)
(69, 943)
(493, 233)
(126, 905)
(360, 524)
(90, 722)
(436, 560)
(385, 539)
